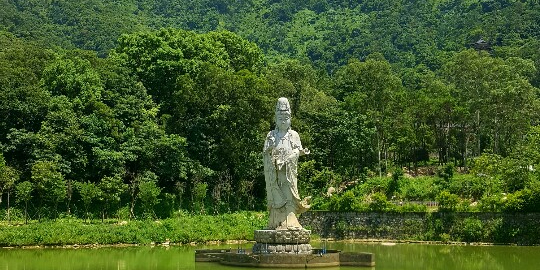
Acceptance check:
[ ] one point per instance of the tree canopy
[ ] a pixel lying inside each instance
(144, 108)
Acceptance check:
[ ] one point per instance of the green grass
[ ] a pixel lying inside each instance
(182, 229)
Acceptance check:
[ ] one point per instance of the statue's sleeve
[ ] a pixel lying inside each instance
(295, 139)
(268, 142)
(269, 172)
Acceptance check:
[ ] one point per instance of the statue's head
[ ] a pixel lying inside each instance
(283, 114)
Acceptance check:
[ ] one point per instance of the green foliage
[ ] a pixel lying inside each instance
(73, 78)
(487, 164)
(315, 182)
(327, 33)
(88, 192)
(321, 203)
(379, 203)
(448, 202)
(393, 186)
(183, 229)
(210, 93)
(418, 189)
(49, 182)
(492, 203)
(373, 185)
(472, 230)
(371, 88)
(509, 174)
(444, 237)
(23, 103)
(345, 203)
(412, 207)
(23, 190)
(472, 187)
(160, 58)
(111, 190)
(489, 104)
(149, 191)
(446, 173)
(374, 85)
(525, 200)
(341, 140)
(529, 148)
(199, 194)
(306, 172)
(8, 176)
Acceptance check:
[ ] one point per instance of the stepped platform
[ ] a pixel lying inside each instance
(284, 249)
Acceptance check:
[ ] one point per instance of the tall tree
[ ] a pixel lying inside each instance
(50, 184)
(8, 177)
(499, 103)
(371, 88)
(23, 190)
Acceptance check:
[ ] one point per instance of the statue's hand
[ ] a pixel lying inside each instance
(279, 164)
(305, 151)
(294, 155)
(306, 202)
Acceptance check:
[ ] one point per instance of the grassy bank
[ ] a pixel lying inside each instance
(181, 229)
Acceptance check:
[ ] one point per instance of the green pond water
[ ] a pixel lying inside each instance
(400, 256)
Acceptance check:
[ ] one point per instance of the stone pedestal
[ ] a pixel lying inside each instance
(282, 241)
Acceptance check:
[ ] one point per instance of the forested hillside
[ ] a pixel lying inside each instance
(143, 108)
(326, 33)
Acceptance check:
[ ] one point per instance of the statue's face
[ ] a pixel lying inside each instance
(283, 121)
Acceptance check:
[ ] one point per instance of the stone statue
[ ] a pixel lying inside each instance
(280, 154)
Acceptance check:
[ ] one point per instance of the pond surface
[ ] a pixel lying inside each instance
(396, 257)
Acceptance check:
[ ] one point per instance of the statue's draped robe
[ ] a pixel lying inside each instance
(280, 172)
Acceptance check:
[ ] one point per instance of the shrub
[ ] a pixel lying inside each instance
(515, 174)
(468, 186)
(412, 207)
(466, 206)
(446, 172)
(314, 181)
(393, 185)
(492, 203)
(514, 202)
(472, 230)
(525, 200)
(444, 237)
(321, 203)
(379, 203)
(418, 189)
(15, 214)
(447, 202)
(372, 185)
(183, 229)
(345, 202)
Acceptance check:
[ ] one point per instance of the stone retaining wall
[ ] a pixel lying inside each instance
(469, 227)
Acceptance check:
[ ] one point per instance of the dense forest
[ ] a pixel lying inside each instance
(137, 108)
